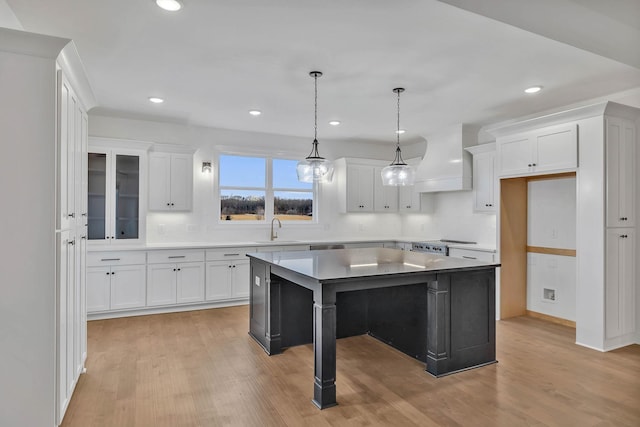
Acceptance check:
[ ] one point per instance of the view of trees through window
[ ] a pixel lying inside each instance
(258, 189)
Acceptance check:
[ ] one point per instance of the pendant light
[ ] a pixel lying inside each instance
(315, 168)
(398, 173)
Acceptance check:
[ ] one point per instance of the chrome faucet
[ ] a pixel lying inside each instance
(274, 235)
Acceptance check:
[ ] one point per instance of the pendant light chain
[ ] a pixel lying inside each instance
(398, 130)
(315, 107)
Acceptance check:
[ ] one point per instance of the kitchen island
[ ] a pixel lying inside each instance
(438, 309)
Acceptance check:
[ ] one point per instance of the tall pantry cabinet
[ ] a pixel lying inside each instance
(605, 138)
(43, 120)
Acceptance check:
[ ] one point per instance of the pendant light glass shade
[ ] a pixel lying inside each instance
(315, 168)
(398, 173)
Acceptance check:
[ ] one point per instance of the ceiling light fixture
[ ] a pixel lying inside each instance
(314, 167)
(400, 131)
(156, 100)
(255, 112)
(533, 89)
(334, 122)
(398, 173)
(170, 5)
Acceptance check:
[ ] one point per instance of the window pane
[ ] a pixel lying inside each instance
(293, 205)
(127, 196)
(241, 171)
(285, 176)
(238, 205)
(97, 195)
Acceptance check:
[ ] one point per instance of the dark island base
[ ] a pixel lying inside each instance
(399, 317)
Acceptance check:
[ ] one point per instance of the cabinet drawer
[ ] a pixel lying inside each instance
(165, 256)
(471, 254)
(97, 259)
(229, 253)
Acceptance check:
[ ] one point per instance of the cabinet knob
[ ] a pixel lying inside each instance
(623, 236)
(108, 273)
(178, 269)
(408, 206)
(168, 204)
(529, 165)
(71, 242)
(534, 164)
(72, 215)
(172, 204)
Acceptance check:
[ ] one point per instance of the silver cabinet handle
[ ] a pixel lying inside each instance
(231, 254)
(177, 256)
(110, 259)
(469, 257)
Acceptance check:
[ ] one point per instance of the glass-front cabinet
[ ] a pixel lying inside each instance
(115, 208)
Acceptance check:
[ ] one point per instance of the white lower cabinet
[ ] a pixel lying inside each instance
(620, 287)
(227, 279)
(175, 283)
(115, 280)
(472, 254)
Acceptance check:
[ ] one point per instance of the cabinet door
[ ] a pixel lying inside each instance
(190, 282)
(97, 196)
(159, 181)
(126, 197)
(181, 181)
(128, 284)
(385, 197)
(240, 272)
(620, 174)
(620, 286)
(66, 153)
(161, 286)
(514, 155)
(218, 280)
(556, 148)
(409, 199)
(359, 188)
(483, 182)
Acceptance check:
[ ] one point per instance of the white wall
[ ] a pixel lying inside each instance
(452, 218)
(201, 225)
(552, 224)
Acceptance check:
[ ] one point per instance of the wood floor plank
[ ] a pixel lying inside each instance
(201, 368)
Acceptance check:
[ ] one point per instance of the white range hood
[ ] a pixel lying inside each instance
(446, 166)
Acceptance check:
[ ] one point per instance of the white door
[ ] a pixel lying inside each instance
(218, 280)
(359, 188)
(620, 286)
(556, 148)
(159, 181)
(240, 272)
(161, 284)
(385, 197)
(181, 181)
(620, 159)
(514, 155)
(98, 289)
(190, 282)
(127, 286)
(483, 167)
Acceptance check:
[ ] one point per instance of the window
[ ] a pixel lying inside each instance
(259, 189)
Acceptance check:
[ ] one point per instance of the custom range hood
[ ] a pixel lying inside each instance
(446, 166)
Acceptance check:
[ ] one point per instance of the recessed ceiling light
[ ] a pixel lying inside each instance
(170, 5)
(334, 122)
(533, 89)
(255, 112)
(156, 100)
(400, 131)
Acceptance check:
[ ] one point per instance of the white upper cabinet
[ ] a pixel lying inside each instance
(357, 192)
(170, 181)
(385, 197)
(620, 173)
(550, 149)
(409, 200)
(484, 177)
(116, 206)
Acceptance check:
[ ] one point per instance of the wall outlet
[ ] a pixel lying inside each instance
(162, 229)
(192, 228)
(327, 227)
(554, 233)
(548, 294)
(360, 227)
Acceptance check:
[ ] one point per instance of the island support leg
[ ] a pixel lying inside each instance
(324, 347)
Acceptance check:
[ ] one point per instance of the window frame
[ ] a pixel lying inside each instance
(269, 190)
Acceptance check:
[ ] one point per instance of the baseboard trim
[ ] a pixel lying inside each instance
(144, 311)
(552, 319)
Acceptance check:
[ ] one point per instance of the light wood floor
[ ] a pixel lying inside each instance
(201, 368)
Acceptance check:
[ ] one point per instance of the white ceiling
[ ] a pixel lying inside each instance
(216, 59)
